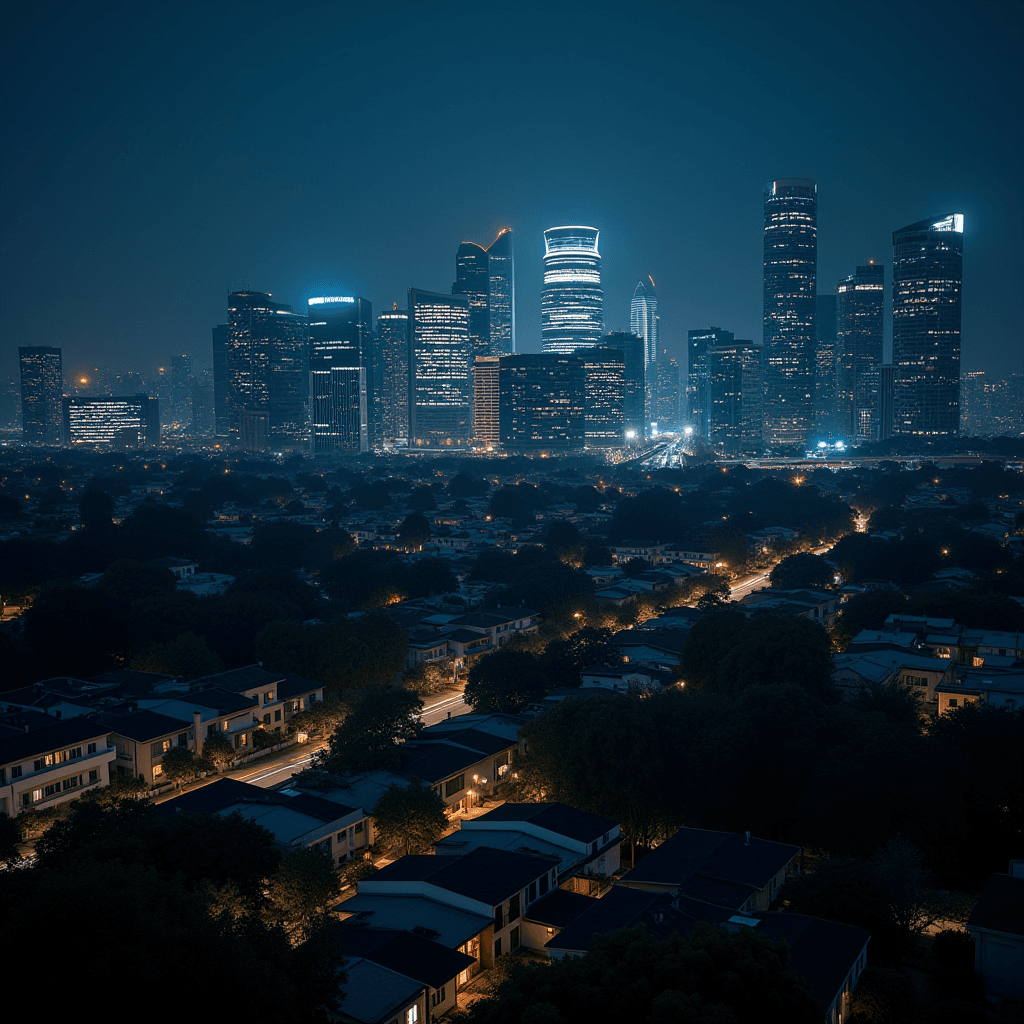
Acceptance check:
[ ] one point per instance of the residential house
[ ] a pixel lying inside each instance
(375, 995)
(997, 926)
(853, 672)
(140, 740)
(817, 605)
(55, 762)
(626, 678)
(220, 712)
(656, 647)
(1001, 687)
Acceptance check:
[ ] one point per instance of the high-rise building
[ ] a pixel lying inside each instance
(790, 281)
(393, 372)
(667, 413)
(340, 373)
(927, 276)
(604, 393)
(735, 397)
(571, 302)
(201, 400)
(991, 406)
(131, 421)
(644, 319)
(440, 385)
(886, 396)
(825, 365)
(860, 333)
(542, 402)
(486, 277)
(634, 400)
(178, 411)
(221, 382)
(42, 386)
(487, 401)
(697, 343)
(268, 368)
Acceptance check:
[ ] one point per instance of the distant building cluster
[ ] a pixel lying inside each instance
(442, 372)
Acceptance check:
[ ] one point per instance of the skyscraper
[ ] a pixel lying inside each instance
(441, 389)
(735, 397)
(825, 365)
(666, 409)
(631, 346)
(859, 335)
(179, 410)
(393, 363)
(268, 368)
(130, 421)
(42, 385)
(340, 373)
(644, 319)
(487, 401)
(697, 344)
(487, 279)
(927, 276)
(604, 393)
(790, 279)
(542, 401)
(221, 382)
(572, 302)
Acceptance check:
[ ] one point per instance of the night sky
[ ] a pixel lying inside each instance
(157, 155)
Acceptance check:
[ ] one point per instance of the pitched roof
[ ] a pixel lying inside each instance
(423, 960)
(559, 818)
(224, 793)
(620, 907)
(146, 725)
(559, 908)
(26, 744)
(373, 993)
(1001, 906)
(696, 857)
(244, 678)
(451, 926)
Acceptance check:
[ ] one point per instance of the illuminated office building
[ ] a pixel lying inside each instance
(927, 275)
(604, 392)
(790, 281)
(886, 395)
(572, 302)
(340, 373)
(697, 343)
(825, 366)
(487, 401)
(268, 370)
(502, 297)
(735, 397)
(666, 408)
(542, 402)
(42, 386)
(221, 382)
(643, 318)
(178, 410)
(441, 387)
(859, 335)
(392, 363)
(634, 398)
(131, 421)
(486, 277)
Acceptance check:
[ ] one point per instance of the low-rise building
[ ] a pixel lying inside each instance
(140, 740)
(997, 926)
(853, 672)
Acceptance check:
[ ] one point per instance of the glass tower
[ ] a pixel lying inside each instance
(860, 332)
(631, 346)
(221, 382)
(124, 422)
(441, 389)
(502, 301)
(542, 401)
(487, 401)
(790, 272)
(825, 365)
(487, 278)
(644, 319)
(604, 391)
(927, 275)
(666, 410)
(268, 370)
(735, 397)
(697, 342)
(42, 386)
(393, 363)
(571, 301)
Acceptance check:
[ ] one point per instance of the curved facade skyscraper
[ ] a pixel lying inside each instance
(927, 277)
(571, 301)
(487, 278)
(644, 319)
(790, 284)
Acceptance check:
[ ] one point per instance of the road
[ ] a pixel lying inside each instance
(741, 588)
(278, 768)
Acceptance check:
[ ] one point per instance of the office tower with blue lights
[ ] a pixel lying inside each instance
(667, 396)
(697, 343)
(487, 401)
(129, 421)
(643, 318)
(42, 387)
(927, 279)
(440, 380)
(860, 332)
(268, 371)
(392, 370)
(572, 302)
(178, 409)
(340, 373)
(542, 402)
(825, 366)
(790, 285)
(735, 397)
(486, 277)
(634, 401)
(604, 392)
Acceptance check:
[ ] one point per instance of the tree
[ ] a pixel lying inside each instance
(562, 540)
(411, 818)
(181, 766)
(505, 680)
(564, 659)
(217, 751)
(187, 655)
(281, 544)
(305, 885)
(322, 717)
(380, 719)
(232, 622)
(126, 581)
(635, 566)
(899, 870)
(802, 570)
(422, 499)
(284, 585)
(414, 531)
(10, 839)
(883, 996)
(463, 486)
(96, 509)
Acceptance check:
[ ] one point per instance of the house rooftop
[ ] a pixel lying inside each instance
(451, 926)
(559, 908)
(620, 907)
(413, 956)
(142, 726)
(558, 818)
(1001, 906)
(62, 733)
(374, 993)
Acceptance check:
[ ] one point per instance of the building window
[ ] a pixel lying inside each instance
(952, 702)
(514, 938)
(15, 771)
(158, 770)
(359, 826)
(91, 749)
(453, 786)
(437, 997)
(497, 947)
(94, 775)
(412, 1015)
(277, 715)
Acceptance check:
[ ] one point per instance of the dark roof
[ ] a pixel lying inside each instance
(224, 793)
(722, 856)
(559, 908)
(561, 818)
(405, 953)
(132, 678)
(441, 755)
(620, 907)
(239, 678)
(293, 685)
(61, 734)
(487, 875)
(146, 725)
(663, 639)
(1001, 906)
(220, 699)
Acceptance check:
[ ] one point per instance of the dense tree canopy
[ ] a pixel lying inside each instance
(379, 720)
(409, 819)
(505, 680)
(802, 570)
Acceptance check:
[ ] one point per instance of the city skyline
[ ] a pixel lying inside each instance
(294, 223)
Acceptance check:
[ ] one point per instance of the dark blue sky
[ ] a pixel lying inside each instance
(157, 154)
